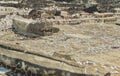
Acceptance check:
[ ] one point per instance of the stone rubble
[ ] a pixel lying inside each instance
(6, 23)
(77, 43)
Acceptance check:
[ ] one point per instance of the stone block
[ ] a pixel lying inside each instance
(31, 28)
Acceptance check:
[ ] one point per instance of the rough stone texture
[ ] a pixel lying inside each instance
(108, 5)
(31, 28)
(104, 5)
(94, 47)
(80, 48)
(6, 22)
(118, 22)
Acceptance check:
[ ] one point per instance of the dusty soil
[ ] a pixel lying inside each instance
(95, 46)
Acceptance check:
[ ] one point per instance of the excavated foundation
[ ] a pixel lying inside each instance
(89, 47)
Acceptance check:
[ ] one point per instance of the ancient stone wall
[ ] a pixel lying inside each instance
(104, 5)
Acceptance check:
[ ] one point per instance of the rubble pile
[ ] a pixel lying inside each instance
(6, 23)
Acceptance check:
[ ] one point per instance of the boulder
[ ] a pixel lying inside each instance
(31, 28)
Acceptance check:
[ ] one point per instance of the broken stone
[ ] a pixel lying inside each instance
(64, 14)
(31, 28)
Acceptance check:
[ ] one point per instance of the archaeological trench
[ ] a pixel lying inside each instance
(60, 37)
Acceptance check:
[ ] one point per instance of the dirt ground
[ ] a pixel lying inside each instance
(95, 46)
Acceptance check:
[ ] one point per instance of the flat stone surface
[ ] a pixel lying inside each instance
(95, 47)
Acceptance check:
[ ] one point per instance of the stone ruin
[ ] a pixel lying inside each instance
(39, 22)
(63, 12)
(31, 28)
